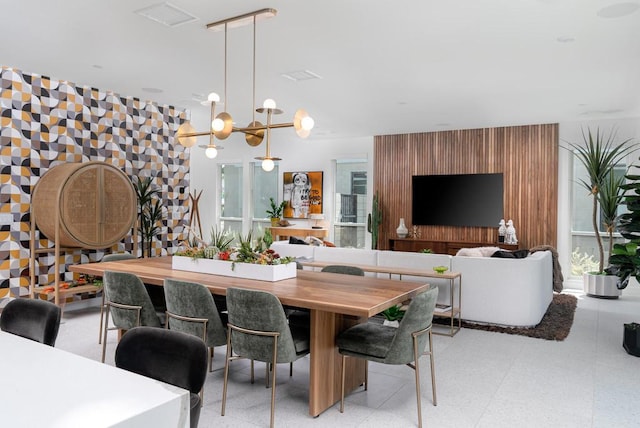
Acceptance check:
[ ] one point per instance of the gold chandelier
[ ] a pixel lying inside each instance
(222, 125)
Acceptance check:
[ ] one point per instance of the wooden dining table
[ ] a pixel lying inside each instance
(335, 301)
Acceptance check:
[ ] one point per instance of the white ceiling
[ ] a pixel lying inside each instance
(386, 67)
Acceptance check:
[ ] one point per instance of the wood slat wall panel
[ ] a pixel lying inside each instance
(526, 155)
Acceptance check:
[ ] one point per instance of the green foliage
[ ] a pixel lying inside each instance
(221, 239)
(426, 251)
(582, 263)
(599, 154)
(276, 210)
(610, 197)
(149, 211)
(625, 258)
(394, 313)
(374, 220)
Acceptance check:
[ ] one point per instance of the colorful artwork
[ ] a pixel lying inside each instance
(303, 194)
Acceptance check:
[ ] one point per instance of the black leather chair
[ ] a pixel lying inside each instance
(173, 357)
(37, 320)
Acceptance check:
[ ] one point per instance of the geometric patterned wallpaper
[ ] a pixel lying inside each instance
(43, 123)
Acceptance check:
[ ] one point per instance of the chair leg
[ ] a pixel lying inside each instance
(252, 376)
(433, 369)
(273, 381)
(226, 372)
(291, 369)
(101, 318)
(210, 359)
(366, 375)
(416, 368)
(268, 367)
(104, 332)
(342, 376)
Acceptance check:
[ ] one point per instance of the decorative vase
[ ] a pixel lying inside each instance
(402, 230)
(275, 221)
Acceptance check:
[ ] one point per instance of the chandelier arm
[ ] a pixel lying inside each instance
(226, 100)
(254, 70)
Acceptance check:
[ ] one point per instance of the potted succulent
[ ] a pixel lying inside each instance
(599, 154)
(275, 212)
(393, 316)
(625, 258)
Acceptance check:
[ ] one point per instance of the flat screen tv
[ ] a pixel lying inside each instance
(458, 200)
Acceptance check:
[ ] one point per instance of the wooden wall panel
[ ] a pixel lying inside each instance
(526, 155)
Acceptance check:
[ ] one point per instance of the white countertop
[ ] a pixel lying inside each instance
(41, 386)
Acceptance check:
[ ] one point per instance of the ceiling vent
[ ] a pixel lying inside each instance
(297, 76)
(166, 14)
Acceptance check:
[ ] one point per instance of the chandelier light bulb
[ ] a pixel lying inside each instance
(269, 103)
(268, 165)
(213, 97)
(211, 152)
(307, 123)
(217, 124)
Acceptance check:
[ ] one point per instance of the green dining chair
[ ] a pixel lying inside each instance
(110, 258)
(191, 309)
(343, 269)
(261, 335)
(389, 345)
(128, 303)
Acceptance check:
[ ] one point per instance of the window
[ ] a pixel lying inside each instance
(265, 186)
(231, 197)
(350, 204)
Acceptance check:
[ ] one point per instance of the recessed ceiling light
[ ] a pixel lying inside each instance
(618, 10)
(299, 75)
(565, 39)
(166, 14)
(152, 90)
(99, 67)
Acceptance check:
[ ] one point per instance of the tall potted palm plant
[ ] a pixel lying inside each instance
(599, 154)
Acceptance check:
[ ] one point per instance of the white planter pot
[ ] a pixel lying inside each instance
(601, 286)
(237, 270)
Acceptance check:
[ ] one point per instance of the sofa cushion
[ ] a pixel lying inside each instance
(297, 241)
(517, 254)
(477, 252)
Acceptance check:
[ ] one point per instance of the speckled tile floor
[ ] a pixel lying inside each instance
(484, 379)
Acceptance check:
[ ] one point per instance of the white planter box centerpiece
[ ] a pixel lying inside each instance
(237, 270)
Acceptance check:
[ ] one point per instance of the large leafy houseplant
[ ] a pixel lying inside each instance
(625, 258)
(599, 154)
(149, 212)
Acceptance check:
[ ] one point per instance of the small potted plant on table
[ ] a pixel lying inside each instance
(393, 316)
(275, 212)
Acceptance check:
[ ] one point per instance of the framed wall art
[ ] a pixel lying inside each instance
(302, 193)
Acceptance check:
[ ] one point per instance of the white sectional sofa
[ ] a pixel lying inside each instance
(513, 292)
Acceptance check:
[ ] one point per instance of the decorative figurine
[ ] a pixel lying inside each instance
(510, 237)
(502, 231)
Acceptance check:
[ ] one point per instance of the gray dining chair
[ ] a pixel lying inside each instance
(32, 319)
(191, 309)
(110, 258)
(389, 345)
(343, 269)
(128, 303)
(261, 335)
(169, 356)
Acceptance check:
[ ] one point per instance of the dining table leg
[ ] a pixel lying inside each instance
(325, 361)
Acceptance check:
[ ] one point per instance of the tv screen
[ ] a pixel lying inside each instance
(458, 200)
